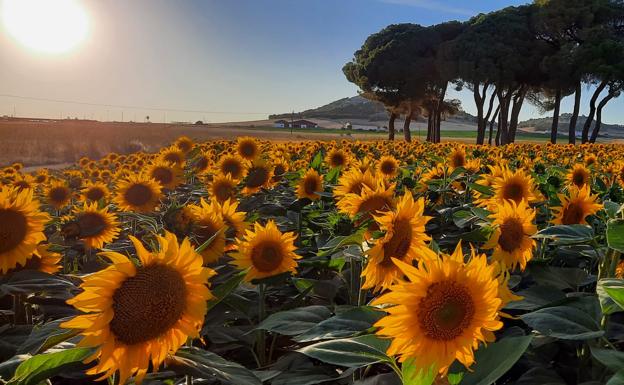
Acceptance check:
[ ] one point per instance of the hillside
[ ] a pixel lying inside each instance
(542, 125)
(357, 108)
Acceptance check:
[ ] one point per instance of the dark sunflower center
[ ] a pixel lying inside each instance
(223, 191)
(91, 224)
(446, 311)
(279, 170)
(458, 160)
(512, 234)
(247, 150)
(514, 191)
(59, 194)
(148, 304)
(173, 157)
(267, 256)
(337, 160)
(22, 184)
(138, 195)
(374, 204)
(356, 188)
(185, 146)
(163, 175)
(573, 214)
(579, 178)
(388, 168)
(257, 177)
(13, 229)
(202, 164)
(95, 194)
(311, 185)
(40, 178)
(232, 167)
(399, 244)
(204, 231)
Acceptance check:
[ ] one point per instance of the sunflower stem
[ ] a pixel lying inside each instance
(260, 338)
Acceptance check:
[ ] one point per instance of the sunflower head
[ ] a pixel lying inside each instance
(442, 312)
(94, 192)
(266, 252)
(247, 148)
(232, 165)
(352, 182)
(185, 144)
(173, 155)
(515, 186)
(576, 206)
(369, 201)
(141, 313)
(58, 194)
(337, 158)
(92, 225)
(579, 175)
(511, 239)
(457, 158)
(208, 230)
(259, 176)
(222, 188)
(138, 193)
(168, 175)
(309, 185)
(388, 166)
(21, 227)
(42, 260)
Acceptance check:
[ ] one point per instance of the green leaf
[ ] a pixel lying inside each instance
(223, 290)
(612, 359)
(486, 190)
(617, 379)
(317, 161)
(567, 234)
(563, 322)
(611, 294)
(478, 235)
(204, 364)
(296, 321)
(415, 376)
(615, 234)
(45, 336)
(43, 366)
(495, 359)
(612, 208)
(350, 352)
(33, 281)
(462, 218)
(345, 324)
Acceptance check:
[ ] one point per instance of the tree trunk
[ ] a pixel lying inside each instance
(479, 98)
(429, 126)
(502, 137)
(438, 115)
(393, 117)
(518, 101)
(492, 124)
(555, 122)
(603, 103)
(406, 126)
(575, 114)
(592, 110)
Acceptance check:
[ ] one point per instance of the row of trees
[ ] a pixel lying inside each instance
(540, 53)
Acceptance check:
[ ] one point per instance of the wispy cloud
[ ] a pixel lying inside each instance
(432, 5)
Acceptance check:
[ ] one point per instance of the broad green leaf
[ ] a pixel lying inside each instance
(486, 190)
(317, 161)
(567, 234)
(615, 234)
(617, 379)
(350, 352)
(417, 376)
(33, 281)
(563, 322)
(46, 336)
(204, 364)
(608, 290)
(43, 366)
(495, 359)
(612, 359)
(223, 290)
(612, 208)
(462, 218)
(296, 321)
(345, 324)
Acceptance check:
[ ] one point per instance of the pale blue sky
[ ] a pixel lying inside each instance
(240, 59)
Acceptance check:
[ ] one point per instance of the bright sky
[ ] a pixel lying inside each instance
(220, 60)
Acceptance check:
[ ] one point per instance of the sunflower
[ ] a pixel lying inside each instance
(58, 194)
(21, 227)
(388, 166)
(94, 226)
(173, 155)
(442, 313)
(511, 240)
(232, 165)
(207, 224)
(136, 315)
(138, 193)
(222, 187)
(337, 158)
(247, 148)
(233, 219)
(94, 192)
(185, 144)
(457, 158)
(516, 186)
(42, 260)
(369, 201)
(168, 175)
(24, 181)
(201, 163)
(404, 240)
(280, 167)
(310, 185)
(576, 207)
(351, 182)
(619, 270)
(579, 175)
(259, 176)
(266, 252)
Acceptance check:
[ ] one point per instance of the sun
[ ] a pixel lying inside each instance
(48, 26)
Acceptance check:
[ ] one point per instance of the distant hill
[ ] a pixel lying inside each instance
(357, 108)
(543, 125)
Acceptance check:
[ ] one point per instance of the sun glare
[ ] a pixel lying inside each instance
(50, 26)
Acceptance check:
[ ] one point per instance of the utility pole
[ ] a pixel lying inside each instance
(292, 121)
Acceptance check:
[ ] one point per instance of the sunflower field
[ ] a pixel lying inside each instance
(374, 263)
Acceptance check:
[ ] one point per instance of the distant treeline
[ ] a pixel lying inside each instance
(539, 52)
